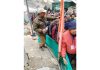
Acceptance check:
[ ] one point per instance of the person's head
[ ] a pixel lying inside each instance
(65, 19)
(49, 12)
(72, 28)
(68, 16)
(73, 16)
(73, 31)
(42, 13)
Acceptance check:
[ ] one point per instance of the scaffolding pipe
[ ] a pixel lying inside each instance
(29, 17)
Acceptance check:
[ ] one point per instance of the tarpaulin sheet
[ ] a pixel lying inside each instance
(52, 44)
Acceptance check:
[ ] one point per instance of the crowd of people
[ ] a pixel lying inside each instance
(47, 22)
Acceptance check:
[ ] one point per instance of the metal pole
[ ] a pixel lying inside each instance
(29, 17)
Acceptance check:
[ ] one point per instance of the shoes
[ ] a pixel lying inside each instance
(41, 48)
(45, 46)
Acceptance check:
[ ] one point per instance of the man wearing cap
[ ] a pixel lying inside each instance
(39, 25)
(69, 44)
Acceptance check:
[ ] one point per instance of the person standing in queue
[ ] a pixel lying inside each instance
(39, 25)
(69, 45)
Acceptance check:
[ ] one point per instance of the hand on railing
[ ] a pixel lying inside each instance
(65, 61)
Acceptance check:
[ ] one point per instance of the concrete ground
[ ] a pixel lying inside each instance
(38, 59)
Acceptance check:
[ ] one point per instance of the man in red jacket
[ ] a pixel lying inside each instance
(69, 44)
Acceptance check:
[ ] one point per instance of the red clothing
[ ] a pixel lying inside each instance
(68, 44)
(54, 32)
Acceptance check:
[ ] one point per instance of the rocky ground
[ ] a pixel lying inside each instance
(36, 59)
